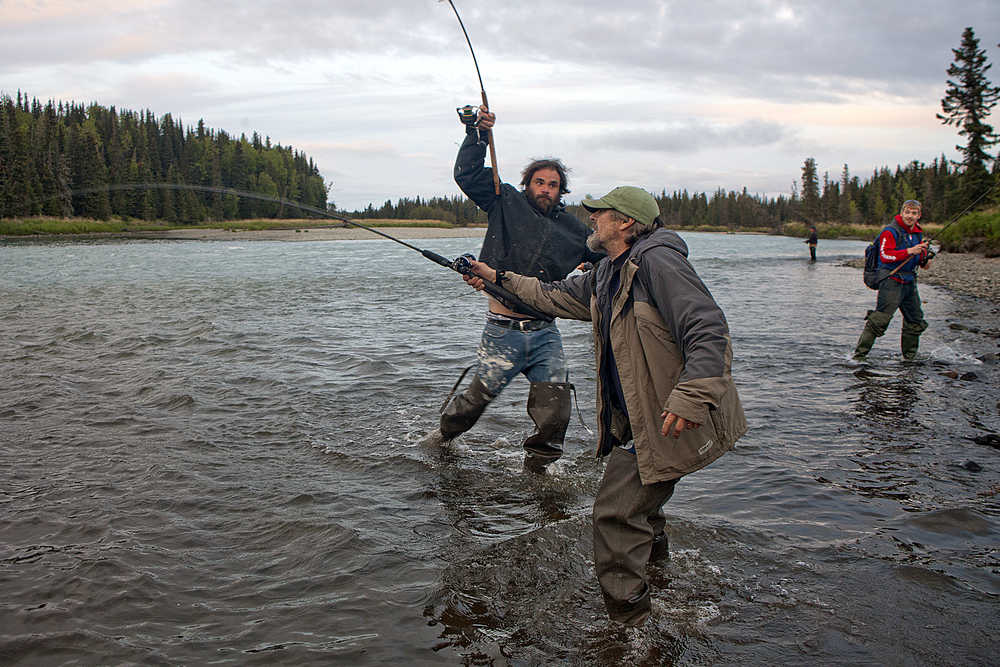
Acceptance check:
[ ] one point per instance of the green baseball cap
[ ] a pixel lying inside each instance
(634, 202)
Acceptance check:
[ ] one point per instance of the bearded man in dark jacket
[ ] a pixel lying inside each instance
(530, 233)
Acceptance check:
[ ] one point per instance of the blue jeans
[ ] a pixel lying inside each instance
(503, 353)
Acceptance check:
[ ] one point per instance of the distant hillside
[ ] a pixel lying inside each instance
(67, 159)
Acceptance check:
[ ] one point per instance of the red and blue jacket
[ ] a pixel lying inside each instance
(892, 245)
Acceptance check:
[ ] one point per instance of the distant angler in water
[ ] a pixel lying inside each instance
(813, 240)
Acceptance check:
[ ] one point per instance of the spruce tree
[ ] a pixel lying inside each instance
(968, 100)
(810, 191)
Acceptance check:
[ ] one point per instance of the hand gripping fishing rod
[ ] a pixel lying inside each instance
(931, 253)
(461, 264)
(486, 104)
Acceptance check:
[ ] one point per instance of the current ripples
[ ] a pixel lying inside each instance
(211, 453)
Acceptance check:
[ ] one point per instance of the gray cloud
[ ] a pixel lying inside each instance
(693, 135)
(634, 77)
(764, 48)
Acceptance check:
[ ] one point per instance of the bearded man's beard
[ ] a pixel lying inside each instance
(544, 205)
(594, 242)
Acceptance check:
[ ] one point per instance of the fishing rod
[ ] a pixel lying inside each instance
(465, 113)
(461, 264)
(967, 209)
(930, 253)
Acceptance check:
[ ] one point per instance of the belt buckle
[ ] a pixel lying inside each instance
(521, 324)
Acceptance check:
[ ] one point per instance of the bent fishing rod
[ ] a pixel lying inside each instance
(461, 264)
(930, 253)
(467, 113)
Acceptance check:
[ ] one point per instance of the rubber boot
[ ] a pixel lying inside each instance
(660, 549)
(875, 326)
(549, 406)
(909, 339)
(464, 410)
(634, 611)
(865, 343)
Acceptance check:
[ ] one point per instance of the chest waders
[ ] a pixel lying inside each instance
(893, 295)
(549, 407)
(909, 303)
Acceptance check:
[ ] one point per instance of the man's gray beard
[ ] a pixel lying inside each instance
(594, 243)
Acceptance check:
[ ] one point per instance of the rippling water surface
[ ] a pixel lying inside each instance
(210, 454)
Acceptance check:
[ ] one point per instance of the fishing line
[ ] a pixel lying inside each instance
(486, 104)
(461, 264)
(950, 223)
(968, 208)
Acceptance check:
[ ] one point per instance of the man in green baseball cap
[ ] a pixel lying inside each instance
(632, 201)
(630, 208)
(666, 402)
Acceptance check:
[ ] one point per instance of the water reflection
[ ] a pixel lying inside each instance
(886, 399)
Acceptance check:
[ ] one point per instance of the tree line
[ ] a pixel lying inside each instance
(845, 200)
(67, 160)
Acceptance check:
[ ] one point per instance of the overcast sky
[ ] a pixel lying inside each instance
(660, 94)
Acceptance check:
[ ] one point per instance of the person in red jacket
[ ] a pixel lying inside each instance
(901, 251)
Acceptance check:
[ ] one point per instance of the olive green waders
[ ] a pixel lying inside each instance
(549, 407)
(464, 410)
(628, 524)
(894, 295)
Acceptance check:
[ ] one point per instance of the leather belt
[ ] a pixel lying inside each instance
(521, 325)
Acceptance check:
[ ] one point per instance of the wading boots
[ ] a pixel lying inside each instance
(464, 410)
(875, 325)
(549, 406)
(909, 338)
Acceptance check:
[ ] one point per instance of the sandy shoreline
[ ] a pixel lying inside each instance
(313, 234)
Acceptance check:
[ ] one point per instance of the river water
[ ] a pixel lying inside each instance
(211, 455)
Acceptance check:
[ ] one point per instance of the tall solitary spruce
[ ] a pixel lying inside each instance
(968, 100)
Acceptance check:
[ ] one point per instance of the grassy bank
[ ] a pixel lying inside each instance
(59, 226)
(976, 232)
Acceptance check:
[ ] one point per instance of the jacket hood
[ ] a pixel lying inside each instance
(660, 237)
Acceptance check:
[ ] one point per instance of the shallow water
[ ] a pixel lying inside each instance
(210, 454)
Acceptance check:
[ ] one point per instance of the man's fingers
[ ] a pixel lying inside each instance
(668, 422)
(677, 424)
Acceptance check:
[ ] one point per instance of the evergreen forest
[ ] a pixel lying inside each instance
(72, 160)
